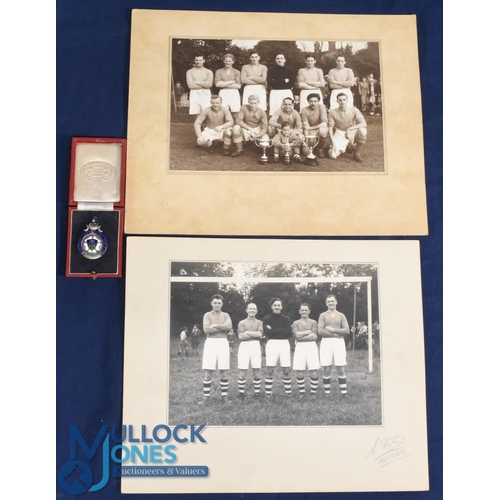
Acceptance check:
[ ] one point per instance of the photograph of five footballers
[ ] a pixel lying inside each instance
(274, 344)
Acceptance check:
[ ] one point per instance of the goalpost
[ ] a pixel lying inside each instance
(343, 279)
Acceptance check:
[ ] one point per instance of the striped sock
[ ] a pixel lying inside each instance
(223, 387)
(314, 385)
(241, 385)
(287, 382)
(326, 384)
(256, 385)
(301, 383)
(207, 384)
(343, 385)
(269, 385)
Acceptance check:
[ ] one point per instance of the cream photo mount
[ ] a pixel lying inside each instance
(390, 455)
(160, 201)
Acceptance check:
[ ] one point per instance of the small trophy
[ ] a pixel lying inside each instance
(287, 147)
(263, 143)
(311, 141)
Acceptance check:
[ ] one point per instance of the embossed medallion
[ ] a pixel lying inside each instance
(98, 171)
(92, 244)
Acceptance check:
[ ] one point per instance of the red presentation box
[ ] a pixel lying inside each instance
(96, 208)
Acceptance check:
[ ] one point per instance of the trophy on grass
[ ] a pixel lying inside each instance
(287, 147)
(311, 141)
(263, 143)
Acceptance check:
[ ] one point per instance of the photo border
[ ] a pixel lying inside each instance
(263, 366)
(310, 170)
(387, 204)
(344, 456)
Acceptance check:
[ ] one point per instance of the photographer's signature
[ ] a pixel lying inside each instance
(388, 450)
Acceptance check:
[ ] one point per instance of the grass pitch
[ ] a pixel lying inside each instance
(361, 406)
(184, 155)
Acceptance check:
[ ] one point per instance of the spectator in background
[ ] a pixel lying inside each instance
(356, 93)
(372, 99)
(178, 91)
(376, 109)
(183, 342)
(363, 94)
(195, 338)
(296, 103)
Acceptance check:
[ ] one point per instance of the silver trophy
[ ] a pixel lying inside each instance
(263, 143)
(311, 141)
(287, 147)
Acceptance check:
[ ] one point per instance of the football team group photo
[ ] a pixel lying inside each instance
(262, 344)
(270, 105)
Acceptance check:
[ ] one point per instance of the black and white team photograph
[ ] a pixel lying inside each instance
(276, 105)
(270, 344)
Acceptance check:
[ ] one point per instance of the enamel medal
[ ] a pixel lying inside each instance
(92, 244)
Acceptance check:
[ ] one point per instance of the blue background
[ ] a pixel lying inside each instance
(93, 40)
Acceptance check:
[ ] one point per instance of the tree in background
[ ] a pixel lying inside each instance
(363, 61)
(190, 301)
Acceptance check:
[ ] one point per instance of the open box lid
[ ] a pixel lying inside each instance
(97, 171)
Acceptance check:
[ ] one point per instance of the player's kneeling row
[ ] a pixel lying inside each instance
(217, 122)
(251, 125)
(350, 130)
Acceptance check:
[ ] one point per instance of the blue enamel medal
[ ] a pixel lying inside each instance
(92, 244)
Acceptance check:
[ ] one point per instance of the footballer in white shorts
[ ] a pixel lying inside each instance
(306, 356)
(305, 331)
(216, 326)
(199, 99)
(249, 355)
(333, 327)
(332, 351)
(278, 350)
(209, 135)
(250, 331)
(231, 99)
(215, 354)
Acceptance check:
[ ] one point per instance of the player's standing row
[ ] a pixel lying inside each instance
(257, 79)
(277, 329)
